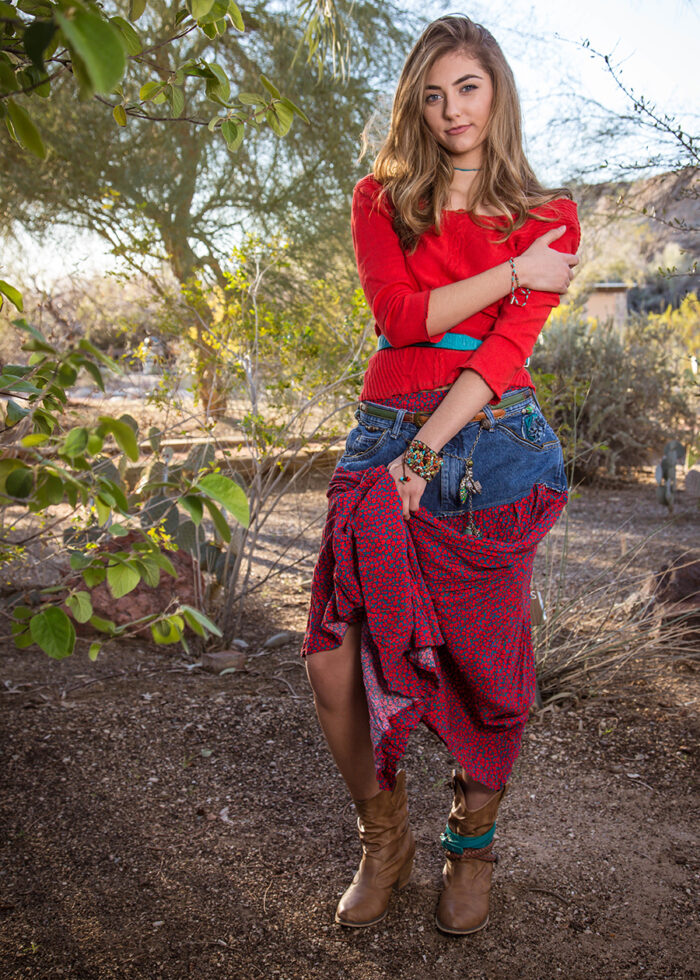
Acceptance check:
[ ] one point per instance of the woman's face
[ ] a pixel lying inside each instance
(457, 105)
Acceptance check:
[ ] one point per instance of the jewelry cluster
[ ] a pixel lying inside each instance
(515, 286)
(423, 460)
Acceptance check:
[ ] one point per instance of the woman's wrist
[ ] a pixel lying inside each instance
(422, 459)
(522, 268)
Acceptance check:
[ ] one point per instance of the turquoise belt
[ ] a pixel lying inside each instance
(451, 341)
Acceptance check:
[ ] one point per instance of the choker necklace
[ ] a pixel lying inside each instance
(465, 170)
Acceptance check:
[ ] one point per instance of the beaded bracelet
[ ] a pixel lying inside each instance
(515, 285)
(423, 460)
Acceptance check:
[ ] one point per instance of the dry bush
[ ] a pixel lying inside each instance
(621, 615)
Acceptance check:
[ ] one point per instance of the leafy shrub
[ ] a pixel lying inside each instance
(75, 483)
(615, 396)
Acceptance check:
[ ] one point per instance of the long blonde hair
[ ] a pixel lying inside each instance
(416, 172)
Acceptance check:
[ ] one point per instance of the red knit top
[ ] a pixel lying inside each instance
(397, 286)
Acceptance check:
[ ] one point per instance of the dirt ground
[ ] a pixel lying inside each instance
(161, 822)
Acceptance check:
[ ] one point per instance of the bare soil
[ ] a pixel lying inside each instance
(161, 822)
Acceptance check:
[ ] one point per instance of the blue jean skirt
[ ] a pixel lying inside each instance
(510, 454)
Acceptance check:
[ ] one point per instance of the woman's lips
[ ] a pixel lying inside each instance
(456, 130)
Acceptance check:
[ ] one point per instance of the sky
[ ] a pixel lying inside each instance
(654, 44)
(653, 41)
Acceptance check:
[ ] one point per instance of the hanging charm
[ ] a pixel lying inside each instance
(468, 484)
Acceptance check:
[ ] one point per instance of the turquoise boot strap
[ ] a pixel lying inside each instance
(457, 844)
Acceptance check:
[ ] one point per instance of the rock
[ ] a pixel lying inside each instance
(676, 588)
(241, 644)
(279, 639)
(692, 481)
(220, 660)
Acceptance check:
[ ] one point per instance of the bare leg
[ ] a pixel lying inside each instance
(341, 706)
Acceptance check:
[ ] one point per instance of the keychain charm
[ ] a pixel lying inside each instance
(468, 484)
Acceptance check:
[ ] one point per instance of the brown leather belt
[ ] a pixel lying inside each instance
(420, 418)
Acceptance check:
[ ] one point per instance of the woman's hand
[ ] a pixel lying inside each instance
(411, 491)
(543, 268)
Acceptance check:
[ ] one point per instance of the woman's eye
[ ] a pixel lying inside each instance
(468, 88)
(432, 98)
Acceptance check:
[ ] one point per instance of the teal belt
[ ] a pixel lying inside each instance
(451, 341)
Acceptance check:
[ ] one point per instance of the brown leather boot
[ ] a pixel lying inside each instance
(464, 903)
(388, 847)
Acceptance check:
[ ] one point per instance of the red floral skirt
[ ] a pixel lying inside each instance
(444, 614)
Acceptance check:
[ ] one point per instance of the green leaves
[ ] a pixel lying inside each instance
(199, 8)
(197, 621)
(130, 39)
(20, 482)
(80, 606)
(168, 630)
(63, 464)
(123, 434)
(14, 295)
(37, 38)
(75, 442)
(122, 577)
(150, 91)
(280, 118)
(227, 493)
(52, 630)
(235, 17)
(23, 130)
(233, 134)
(96, 45)
(99, 46)
(136, 8)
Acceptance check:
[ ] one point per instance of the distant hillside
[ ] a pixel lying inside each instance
(630, 229)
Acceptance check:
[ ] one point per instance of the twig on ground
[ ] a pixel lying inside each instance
(286, 682)
(265, 896)
(547, 891)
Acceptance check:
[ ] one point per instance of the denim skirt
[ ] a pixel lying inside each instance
(510, 454)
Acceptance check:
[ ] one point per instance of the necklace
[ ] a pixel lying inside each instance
(466, 170)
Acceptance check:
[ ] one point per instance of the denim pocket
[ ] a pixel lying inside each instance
(507, 461)
(363, 442)
(529, 428)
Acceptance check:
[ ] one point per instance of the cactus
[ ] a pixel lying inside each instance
(674, 453)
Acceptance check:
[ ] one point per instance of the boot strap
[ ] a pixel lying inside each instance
(457, 843)
(480, 854)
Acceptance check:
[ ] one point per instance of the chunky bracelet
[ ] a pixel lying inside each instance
(515, 285)
(423, 460)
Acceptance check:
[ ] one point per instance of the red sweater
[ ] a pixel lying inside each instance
(397, 286)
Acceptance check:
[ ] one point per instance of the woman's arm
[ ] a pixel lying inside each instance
(466, 397)
(407, 314)
(539, 267)
(506, 347)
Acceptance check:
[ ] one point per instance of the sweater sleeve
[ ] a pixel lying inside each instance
(399, 306)
(512, 338)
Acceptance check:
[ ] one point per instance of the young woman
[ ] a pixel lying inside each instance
(420, 600)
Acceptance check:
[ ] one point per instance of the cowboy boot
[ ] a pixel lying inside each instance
(464, 903)
(388, 847)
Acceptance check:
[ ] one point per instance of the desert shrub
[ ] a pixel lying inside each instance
(73, 487)
(614, 395)
(286, 368)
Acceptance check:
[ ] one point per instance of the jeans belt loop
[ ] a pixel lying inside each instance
(398, 422)
(490, 421)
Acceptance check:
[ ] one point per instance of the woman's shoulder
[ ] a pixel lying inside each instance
(367, 186)
(368, 196)
(560, 208)
(543, 217)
